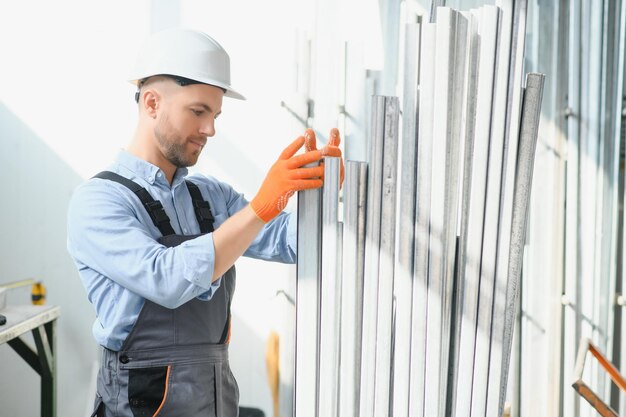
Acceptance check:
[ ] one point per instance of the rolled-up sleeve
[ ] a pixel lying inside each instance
(105, 233)
(276, 241)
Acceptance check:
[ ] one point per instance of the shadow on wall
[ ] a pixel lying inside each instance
(37, 186)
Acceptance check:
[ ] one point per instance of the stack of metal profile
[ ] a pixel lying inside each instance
(406, 306)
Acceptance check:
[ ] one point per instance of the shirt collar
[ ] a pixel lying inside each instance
(149, 172)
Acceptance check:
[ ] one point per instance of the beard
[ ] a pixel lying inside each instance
(173, 145)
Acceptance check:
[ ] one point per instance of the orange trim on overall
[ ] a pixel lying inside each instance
(167, 384)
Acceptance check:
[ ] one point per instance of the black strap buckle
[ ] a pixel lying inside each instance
(203, 211)
(157, 212)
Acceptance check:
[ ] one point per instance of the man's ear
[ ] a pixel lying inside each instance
(150, 100)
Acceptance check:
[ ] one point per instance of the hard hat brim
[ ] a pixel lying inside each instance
(230, 92)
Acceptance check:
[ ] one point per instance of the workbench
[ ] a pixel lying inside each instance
(41, 320)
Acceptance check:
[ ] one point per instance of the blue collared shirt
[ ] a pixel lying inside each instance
(114, 244)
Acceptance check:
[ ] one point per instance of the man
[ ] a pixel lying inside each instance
(155, 249)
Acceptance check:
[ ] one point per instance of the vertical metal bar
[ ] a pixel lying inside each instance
(419, 299)
(492, 291)
(586, 294)
(436, 275)
(498, 124)
(529, 127)
(386, 259)
(501, 177)
(307, 302)
(372, 243)
(609, 190)
(610, 134)
(477, 154)
(457, 111)
(620, 129)
(331, 292)
(594, 171)
(467, 140)
(444, 209)
(354, 197)
(573, 249)
(403, 280)
(561, 142)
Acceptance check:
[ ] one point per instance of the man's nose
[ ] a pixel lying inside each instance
(208, 128)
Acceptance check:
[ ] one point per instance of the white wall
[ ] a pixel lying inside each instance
(63, 112)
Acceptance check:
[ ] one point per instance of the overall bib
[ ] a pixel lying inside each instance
(174, 362)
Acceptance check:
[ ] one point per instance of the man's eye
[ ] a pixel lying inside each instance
(197, 112)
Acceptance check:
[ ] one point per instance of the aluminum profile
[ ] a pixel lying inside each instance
(474, 192)
(523, 181)
(404, 254)
(419, 296)
(307, 302)
(372, 244)
(488, 289)
(388, 183)
(354, 200)
(489, 349)
(450, 33)
(330, 312)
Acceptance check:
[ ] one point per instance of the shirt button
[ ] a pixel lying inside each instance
(184, 230)
(124, 359)
(159, 174)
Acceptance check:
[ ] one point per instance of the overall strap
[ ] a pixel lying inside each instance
(153, 207)
(201, 207)
(205, 220)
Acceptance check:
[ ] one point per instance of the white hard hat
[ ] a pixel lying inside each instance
(185, 53)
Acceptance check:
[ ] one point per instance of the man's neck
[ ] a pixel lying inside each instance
(141, 147)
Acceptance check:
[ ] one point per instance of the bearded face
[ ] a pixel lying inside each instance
(180, 150)
(182, 118)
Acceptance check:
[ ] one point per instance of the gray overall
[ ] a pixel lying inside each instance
(174, 362)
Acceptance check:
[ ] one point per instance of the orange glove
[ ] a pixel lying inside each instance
(331, 148)
(286, 177)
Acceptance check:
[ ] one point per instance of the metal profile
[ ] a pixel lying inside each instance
(492, 206)
(594, 169)
(488, 349)
(451, 28)
(620, 131)
(474, 192)
(606, 260)
(388, 183)
(419, 297)
(573, 246)
(467, 138)
(610, 156)
(403, 279)
(523, 180)
(328, 383)
(457, 112)
(372, 243)
(307, 302)
(354, 200)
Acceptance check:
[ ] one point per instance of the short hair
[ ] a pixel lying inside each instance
(182, 81)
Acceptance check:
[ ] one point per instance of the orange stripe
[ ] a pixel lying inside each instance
(167, 384)
(608, 366)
